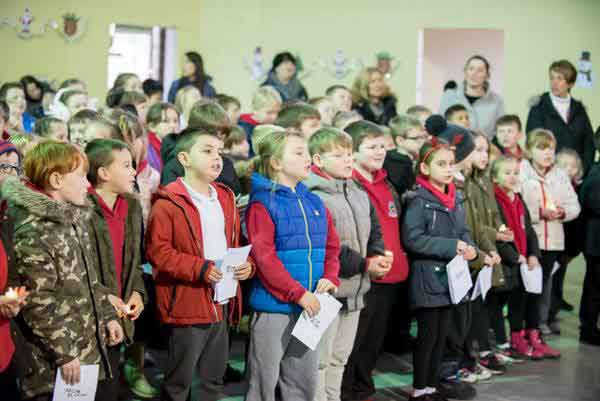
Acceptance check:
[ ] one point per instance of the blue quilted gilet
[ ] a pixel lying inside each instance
(300, 238)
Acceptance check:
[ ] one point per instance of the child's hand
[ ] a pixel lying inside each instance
(71, 372)
(9, 310)
(378, 267)
(533, 262)
(325, 285)
(496, 258)
(115, 333)
(243, 271)
(505, 236)
(551, 214)
(522, 259)
(120, 306)
(135, 306)
(214, 275)
(310, 303)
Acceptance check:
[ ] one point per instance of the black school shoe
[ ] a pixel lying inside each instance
(564, 305)
(456, 390)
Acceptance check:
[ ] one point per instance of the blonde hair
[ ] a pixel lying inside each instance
(180, 98)
(272, 147)
(360, 87)
(566, 152)
(499, 163)
(261, 131)
(539, 138)
(24, 142)
(328, 139)
(264, 97)
(402, 124)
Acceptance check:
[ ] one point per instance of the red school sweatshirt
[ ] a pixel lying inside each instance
(7, 347)
(382, 199)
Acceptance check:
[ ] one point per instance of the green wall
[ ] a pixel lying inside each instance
(226, 31)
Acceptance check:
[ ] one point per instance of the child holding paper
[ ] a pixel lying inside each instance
(523, 315)
(296, 249)
(434, 232)
(192, 224)
(116, 234)
(362, 250)
(547, 191)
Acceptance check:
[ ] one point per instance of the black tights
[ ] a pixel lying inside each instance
(431, 339)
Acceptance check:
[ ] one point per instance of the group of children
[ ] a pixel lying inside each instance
(329, 202)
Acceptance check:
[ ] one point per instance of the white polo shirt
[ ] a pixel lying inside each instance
(212, 221)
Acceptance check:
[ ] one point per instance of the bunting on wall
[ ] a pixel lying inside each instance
(28, 26)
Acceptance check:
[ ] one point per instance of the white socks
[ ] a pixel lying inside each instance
(430, 390)
(420, 392)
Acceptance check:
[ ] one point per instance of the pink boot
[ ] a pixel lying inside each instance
(522, 348)
(539, 345)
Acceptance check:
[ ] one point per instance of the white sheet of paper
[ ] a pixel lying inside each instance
(85, 390)
(459, 278)
(532, 279)
(227, 287)
(483, 283)
(555, 268)
(309, 330)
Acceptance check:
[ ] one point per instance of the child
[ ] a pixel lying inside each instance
(52, 128)
(508, 135)
(344, 118)
(55, 262)
(10, 161)
(154, 90)
(590, 307)
(139, 101)
(266, 103)
(420, 112)
(19, 120)
(326, 109)
(434, 232)
(74, 101)
(116, 232)
(523, 314)
(369, 154)
(341, 98)
(458, 114)
(185, 265)
(547, 189)
(232, 107)
(206, 114)
(87, 125)
(409, 135)
(236, 146)
(569, 160)
(186, 98)
(162, 119)
(362, 249)
(296, 248)
(300, 116)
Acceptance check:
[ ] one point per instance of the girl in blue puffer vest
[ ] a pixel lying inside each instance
(296, 249)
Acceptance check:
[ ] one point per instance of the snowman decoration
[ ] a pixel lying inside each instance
(585, 78)
(256, 69)
(26, 20)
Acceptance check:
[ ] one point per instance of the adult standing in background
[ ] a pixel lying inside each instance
(283, 76)
(483, 105)
(566, 117)
(193, 74)
(372, 97)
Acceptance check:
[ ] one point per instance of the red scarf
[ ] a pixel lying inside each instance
(514, 211)
(447, 199)
(154, 141)
(143, 164)
(320, 172)
(517, 155)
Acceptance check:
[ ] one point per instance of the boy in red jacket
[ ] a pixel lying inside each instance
(192, 224)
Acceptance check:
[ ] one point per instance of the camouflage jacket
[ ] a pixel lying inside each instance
(67, 309)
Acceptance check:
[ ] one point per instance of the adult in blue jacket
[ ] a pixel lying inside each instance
(193, 74)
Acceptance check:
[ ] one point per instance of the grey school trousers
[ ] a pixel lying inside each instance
(276, 359)
(199, 350)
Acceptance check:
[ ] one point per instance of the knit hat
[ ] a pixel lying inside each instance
(460, 138)
(283, 57)
(7, 147)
